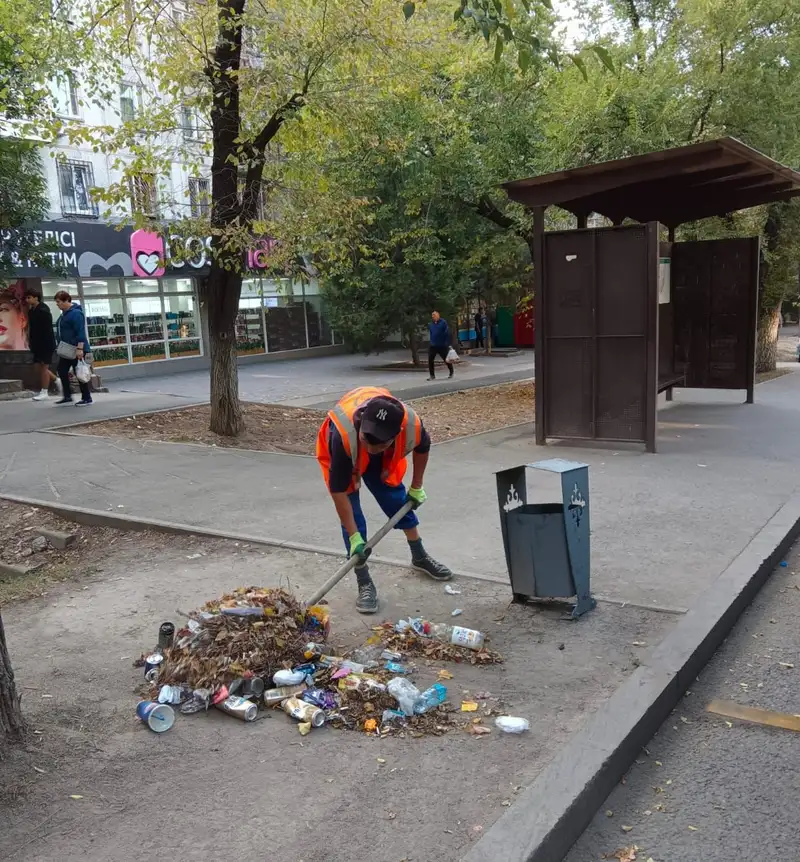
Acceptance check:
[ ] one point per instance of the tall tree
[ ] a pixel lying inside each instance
(251, 69)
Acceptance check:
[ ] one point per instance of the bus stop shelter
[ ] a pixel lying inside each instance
(625, 312)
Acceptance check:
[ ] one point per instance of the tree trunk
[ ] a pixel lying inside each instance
(413, 346)
(767, 345)
(224, 289)
(11, 721)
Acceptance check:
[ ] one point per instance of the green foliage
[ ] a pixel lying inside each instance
(23, 199)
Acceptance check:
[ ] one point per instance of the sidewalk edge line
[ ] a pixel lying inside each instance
(96, 518)
(552, 813)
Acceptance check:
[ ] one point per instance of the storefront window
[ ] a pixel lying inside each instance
(146, 326)
(177, 285)
(249, 321)
(180, 313)
(96, 287)
(319, 332)
(105, 324)
(141, 285)
(285, 316)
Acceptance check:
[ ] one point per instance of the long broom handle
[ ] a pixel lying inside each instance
(350, 564)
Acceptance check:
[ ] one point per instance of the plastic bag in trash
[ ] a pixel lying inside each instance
(199, 701)
(405, 693)
(511, 724)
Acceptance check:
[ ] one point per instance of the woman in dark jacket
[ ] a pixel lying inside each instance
(71, 328)
(41, 341)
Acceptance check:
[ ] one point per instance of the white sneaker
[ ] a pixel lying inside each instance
(40, 396)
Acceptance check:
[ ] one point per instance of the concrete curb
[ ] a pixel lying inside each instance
(95, 518)
(548, 817)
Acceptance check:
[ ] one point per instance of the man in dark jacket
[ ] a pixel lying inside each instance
(439, 337)
(72, 335)
(41, 341)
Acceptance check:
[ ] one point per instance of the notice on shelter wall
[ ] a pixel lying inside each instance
(663, 280)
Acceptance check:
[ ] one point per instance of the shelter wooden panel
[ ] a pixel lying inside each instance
(598, 361)
(714, 300)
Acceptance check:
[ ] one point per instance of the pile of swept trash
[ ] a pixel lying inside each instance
(261, 648)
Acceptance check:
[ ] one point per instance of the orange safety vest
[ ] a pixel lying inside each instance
(342, 418)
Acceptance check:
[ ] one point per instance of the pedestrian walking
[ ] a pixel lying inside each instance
(41, 340)
(72, 347)
(439, 338)
(369, 435)
(480, 322)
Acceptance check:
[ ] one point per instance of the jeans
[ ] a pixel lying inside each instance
(433, 352)
(389, 497)
(64, 366)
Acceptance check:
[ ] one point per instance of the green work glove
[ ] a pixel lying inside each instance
(417, 496)
(358, 549)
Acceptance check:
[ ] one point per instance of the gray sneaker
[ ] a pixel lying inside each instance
(367, 601)
(432, 568)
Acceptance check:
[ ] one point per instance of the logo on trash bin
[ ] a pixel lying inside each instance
(577, 504)
(513, 500)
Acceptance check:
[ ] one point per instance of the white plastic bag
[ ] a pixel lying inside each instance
(82, 372)
(452, 356)
(512, 724)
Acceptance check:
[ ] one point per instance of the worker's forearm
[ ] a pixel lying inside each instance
(344, 509)
(419, 463)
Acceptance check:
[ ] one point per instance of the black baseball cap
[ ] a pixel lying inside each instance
(382, 418)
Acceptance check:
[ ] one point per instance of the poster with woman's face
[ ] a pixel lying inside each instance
(13, 318)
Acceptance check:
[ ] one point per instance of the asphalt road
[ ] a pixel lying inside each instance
(716, 790)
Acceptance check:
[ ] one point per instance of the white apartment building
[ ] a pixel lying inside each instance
(142, 301)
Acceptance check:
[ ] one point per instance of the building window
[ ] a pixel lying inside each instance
(200, 196)
(66, 96)
(190, 123)
(74, 181)
(130, 101)
(143, 195)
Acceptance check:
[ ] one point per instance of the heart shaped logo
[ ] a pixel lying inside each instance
(148, 262)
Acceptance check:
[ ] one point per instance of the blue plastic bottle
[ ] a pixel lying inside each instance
(431, 698)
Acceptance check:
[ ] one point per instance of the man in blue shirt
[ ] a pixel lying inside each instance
(439, 336)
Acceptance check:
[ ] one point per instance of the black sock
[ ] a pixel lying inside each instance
(417, 551)
(362, 575)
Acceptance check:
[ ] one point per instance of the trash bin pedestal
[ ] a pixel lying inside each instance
(547, 544)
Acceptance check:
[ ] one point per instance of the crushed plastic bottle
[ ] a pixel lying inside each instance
(405, 693)
(430, 698)
(511, 724)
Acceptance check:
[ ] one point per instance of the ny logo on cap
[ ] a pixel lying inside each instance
(381, 414)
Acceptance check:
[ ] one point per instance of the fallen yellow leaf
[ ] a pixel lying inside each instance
(469, 706)
(445, 674)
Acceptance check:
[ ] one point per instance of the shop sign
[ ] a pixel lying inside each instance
(95, 250)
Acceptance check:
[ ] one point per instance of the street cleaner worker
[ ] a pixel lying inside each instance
(368, 436)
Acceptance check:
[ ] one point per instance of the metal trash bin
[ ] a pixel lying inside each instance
(547, 544)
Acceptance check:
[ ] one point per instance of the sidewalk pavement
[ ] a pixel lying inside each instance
(711, 789)
(315, 381)
(664, 526)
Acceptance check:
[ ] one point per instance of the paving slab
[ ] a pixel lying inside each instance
(215, 785)
(664, 526)
(312, 381)
(709, 788)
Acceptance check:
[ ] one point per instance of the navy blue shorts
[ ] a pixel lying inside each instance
(390, 498)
